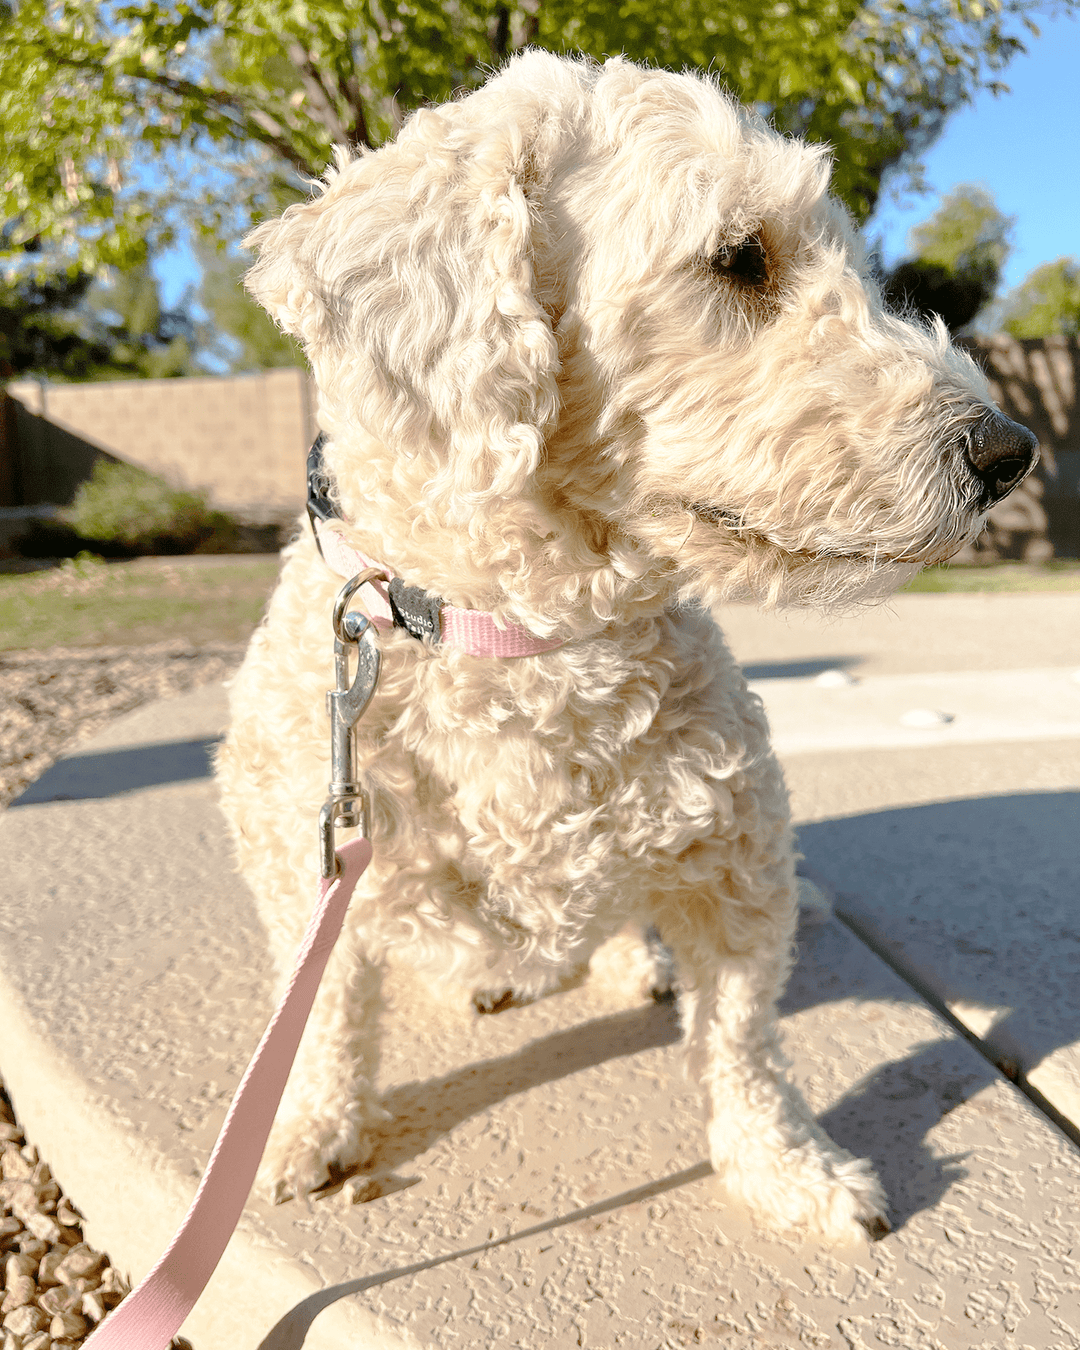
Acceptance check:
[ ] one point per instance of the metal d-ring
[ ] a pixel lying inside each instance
(347, 804)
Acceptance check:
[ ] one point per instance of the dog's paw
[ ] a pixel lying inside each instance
(304, 1154)
(815, 904)
(809, 1189)
(662, 985)
(493, 1000)
(877, 1227)
(634, 964)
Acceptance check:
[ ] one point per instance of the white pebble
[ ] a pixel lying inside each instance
(834, 678)
(925, 717)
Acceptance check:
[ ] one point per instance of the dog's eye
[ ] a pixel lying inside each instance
(715, 515)
(746, 263)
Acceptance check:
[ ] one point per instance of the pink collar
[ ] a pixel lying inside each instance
(394, 605)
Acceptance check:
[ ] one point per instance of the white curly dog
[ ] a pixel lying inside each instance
(595, 353)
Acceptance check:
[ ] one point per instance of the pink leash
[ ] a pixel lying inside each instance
(154, 1311)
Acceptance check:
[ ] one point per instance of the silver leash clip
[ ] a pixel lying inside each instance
(347, 804)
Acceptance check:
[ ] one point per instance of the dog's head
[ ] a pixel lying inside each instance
(594, 337)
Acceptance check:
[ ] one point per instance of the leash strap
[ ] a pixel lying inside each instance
(153, 1312)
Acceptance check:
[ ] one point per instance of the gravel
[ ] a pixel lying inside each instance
(55, 1286)
(56, 696)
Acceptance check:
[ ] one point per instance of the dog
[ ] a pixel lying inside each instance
(596, 353)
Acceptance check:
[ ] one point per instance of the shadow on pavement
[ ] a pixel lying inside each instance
(792, 670)
(108, 773)
(291, 1331)
(887, 1115)
(900, 1103)
(425, 1111)
(974, 901)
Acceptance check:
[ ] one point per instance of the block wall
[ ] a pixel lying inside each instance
(241, 439)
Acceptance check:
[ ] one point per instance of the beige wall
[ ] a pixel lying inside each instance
(242, 439)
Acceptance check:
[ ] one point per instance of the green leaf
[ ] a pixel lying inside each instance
(216, 107)
(850, 84)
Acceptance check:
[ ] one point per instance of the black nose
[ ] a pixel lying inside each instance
(1002, 454)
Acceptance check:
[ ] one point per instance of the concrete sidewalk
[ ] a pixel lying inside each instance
(546, 1185)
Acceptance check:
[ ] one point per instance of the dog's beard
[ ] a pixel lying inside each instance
(922, 553)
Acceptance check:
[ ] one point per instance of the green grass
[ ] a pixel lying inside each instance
(89, 603)
(1059, 574)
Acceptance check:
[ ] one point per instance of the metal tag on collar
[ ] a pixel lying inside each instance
(416, 610)
(347, 803)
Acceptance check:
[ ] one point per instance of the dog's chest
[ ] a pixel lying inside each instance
(552, 791)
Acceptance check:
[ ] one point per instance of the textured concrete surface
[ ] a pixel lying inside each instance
(976, 895)
(912, 634)
(545, 1185)
(961, 864)
(899, 712)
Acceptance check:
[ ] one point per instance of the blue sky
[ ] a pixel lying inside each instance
(1024, 146)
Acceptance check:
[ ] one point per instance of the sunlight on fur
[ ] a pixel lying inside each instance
(596, 352)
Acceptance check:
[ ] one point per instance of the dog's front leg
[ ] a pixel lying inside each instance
(763, 1141)
(329, 1113)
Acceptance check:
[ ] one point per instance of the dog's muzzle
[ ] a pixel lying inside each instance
(1001, 454)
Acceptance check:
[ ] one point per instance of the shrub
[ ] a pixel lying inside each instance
(125, 507)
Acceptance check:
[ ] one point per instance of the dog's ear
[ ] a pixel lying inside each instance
(410, 283)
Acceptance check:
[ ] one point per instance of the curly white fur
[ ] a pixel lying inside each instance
(550, 393)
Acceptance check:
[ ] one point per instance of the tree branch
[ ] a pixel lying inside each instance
(500, 39)
(317, 91)
(271, 132)
(354, 100)
(250, 122)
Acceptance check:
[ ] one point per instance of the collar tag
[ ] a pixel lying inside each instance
(415, 610)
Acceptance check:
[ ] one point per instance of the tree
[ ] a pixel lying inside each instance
(875, 80)
(966, 234)
(958, 256)
(67, 326)
(117, 120)
(37, 328)
(1046, 302)
(143, 339)
(248, 339)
